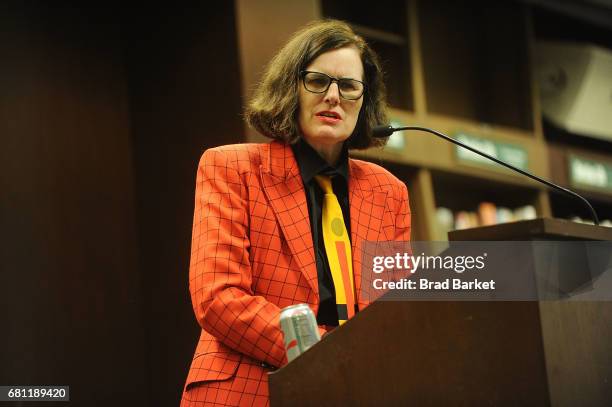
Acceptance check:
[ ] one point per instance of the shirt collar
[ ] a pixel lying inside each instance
(311, 163)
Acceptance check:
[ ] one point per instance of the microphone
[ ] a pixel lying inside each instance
(386, 131)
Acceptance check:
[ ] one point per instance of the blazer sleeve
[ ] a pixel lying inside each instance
(403, 215)
(220, 271)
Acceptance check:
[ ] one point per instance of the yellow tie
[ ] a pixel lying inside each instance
(338, 250)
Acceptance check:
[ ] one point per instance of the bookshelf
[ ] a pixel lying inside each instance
(464, 71)
(583, 164)
(470, 77)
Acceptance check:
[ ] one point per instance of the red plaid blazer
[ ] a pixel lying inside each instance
(252, 255)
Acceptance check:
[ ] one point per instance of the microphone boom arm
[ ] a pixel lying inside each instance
(390, 130)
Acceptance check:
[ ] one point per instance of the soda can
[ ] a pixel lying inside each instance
(299, 326)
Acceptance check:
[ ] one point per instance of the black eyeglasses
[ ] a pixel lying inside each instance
(317, 82)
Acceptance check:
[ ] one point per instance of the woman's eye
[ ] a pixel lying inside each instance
(348, 85)
(318, 82)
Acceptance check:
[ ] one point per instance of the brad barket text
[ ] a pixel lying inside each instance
(423, 284)
(407, 261)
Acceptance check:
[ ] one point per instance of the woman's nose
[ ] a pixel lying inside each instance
(332, 96)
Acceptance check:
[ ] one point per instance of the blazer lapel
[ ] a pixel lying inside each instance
(367, 209)
(282, 184)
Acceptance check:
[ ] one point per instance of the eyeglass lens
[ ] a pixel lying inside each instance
(319, 83)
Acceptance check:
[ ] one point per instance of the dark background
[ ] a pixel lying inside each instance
(104, 112)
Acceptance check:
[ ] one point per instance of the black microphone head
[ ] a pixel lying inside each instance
(382, 131)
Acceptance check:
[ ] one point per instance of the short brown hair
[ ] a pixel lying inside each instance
(274, 107)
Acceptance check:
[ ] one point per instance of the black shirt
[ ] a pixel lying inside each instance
(311, 164)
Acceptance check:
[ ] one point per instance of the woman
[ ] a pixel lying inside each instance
(261, 213)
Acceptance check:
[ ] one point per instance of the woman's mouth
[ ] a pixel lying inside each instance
(328, 116)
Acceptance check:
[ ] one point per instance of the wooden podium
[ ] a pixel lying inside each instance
(460, 353)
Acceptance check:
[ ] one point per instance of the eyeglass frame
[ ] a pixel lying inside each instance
(332, 80)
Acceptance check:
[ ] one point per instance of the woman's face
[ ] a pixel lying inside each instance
(326, 119)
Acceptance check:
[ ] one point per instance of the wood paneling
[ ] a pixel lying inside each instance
(104, 113)
(184, 85)
(70, 288)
